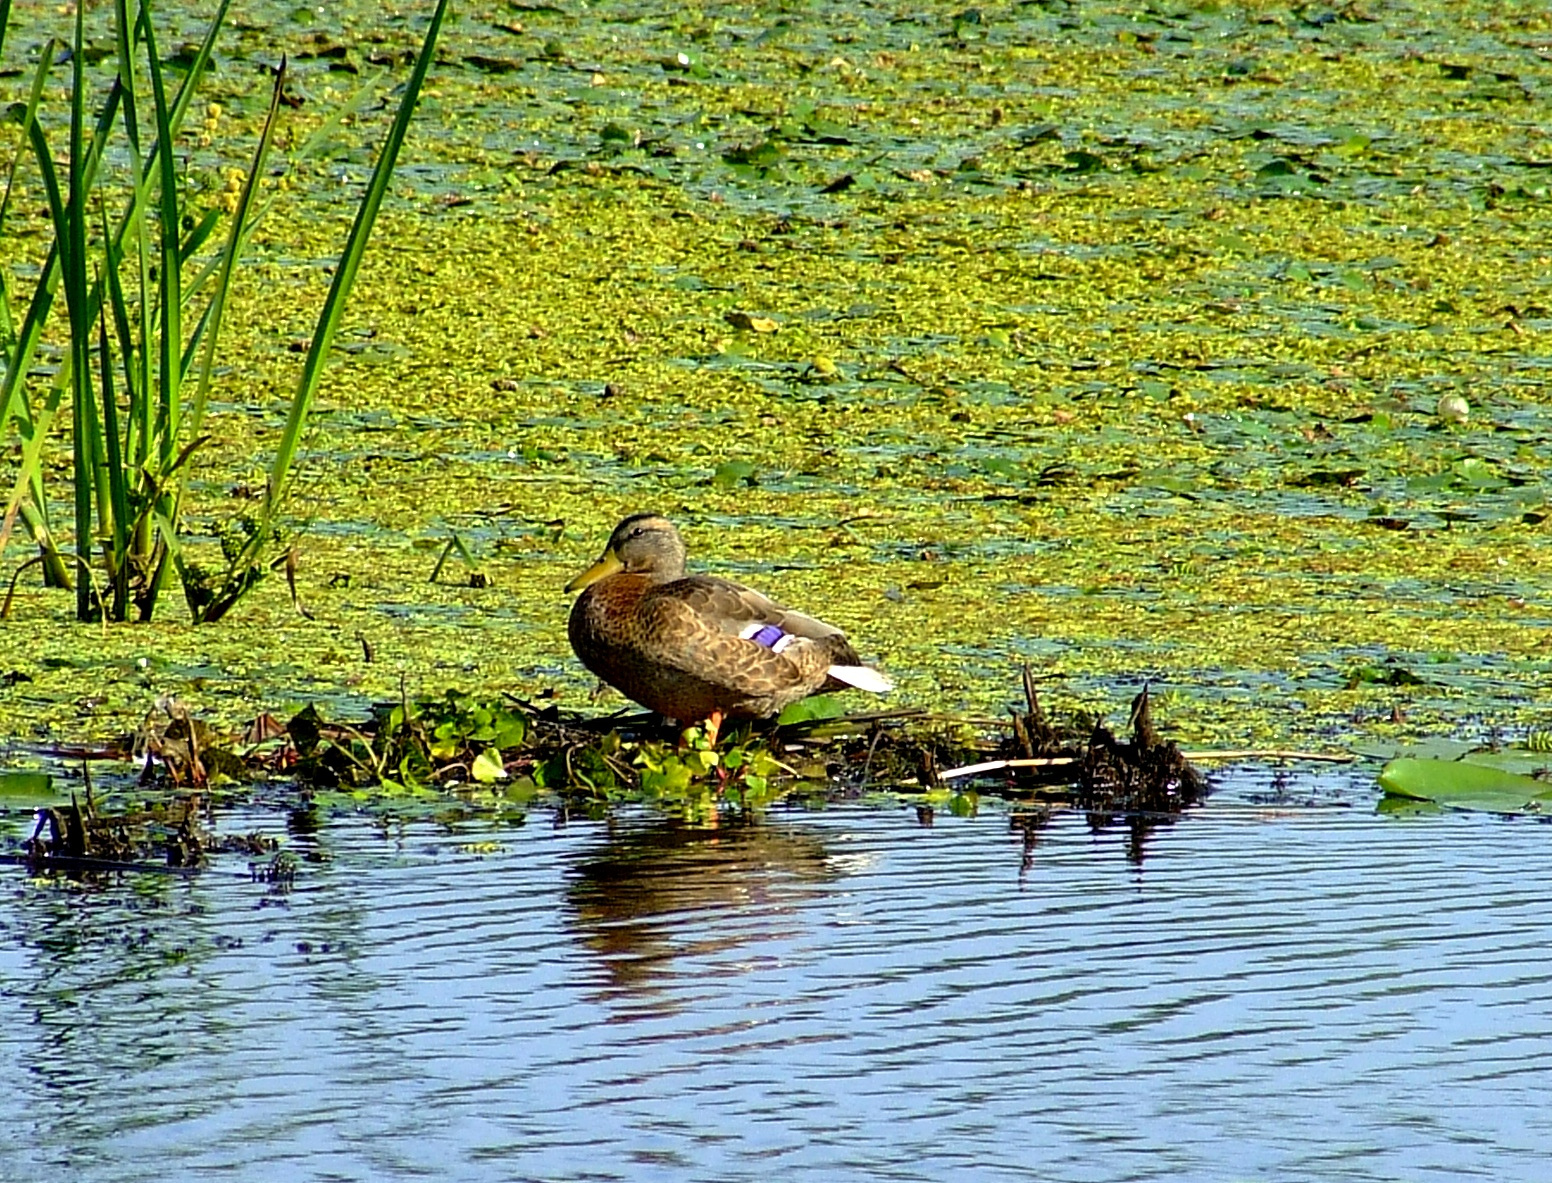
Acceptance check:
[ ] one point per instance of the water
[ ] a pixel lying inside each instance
(1274, 992)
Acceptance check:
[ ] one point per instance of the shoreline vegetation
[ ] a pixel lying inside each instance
(505, 758)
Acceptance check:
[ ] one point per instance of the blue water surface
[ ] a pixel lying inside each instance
(1281, 985)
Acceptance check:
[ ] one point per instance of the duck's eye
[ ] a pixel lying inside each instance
(636, 533)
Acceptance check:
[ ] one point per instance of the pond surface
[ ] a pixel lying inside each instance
(1286, 986)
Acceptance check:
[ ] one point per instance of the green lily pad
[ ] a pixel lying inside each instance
(487, 767)
(1426, 749)
(1460, 785)
(732, 473)
(26, 787)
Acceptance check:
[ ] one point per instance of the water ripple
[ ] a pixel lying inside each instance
(1320, 994)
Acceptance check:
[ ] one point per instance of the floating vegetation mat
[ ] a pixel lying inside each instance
(1204, 344)
(522, 751)
(460, 754)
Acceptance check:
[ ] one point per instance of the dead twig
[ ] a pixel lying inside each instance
(999, 765)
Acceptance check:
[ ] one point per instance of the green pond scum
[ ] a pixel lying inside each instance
(1128, 341)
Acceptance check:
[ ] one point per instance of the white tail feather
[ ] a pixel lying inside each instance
(862, 677)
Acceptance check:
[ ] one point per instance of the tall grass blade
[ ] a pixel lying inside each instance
(172, 361)
(114, 474)
(236, 238)
(125, 40)
(345, 274)
(43, 296)
(33, 437)
(170, 271)
(309, 147)
(73, 264)
(245, 569)
(191, 245)
(196, 71)
(19, 360)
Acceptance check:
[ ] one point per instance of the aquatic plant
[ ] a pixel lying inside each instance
(506, 753)
(138, 384)
(1508, 781)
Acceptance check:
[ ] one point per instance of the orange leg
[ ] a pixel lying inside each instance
(713, 726)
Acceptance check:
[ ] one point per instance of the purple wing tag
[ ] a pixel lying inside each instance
(766, 634)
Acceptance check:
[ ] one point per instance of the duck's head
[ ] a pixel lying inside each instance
(643, 544)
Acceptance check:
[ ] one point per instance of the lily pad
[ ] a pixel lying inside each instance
(26, 787)
(732, 473)
(1459, 785)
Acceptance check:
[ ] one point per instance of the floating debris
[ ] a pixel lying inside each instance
(76, 838)
(508, 754)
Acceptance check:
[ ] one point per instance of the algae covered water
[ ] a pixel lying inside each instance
(1107, 339)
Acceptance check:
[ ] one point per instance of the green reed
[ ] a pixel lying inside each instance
(145, 293)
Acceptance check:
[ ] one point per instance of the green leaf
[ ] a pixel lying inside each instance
(24, 786)
(510, 730)
(761, 155)
(1406, 807)
(1459, 785)
(812, 709)
(487, 767)
(553, 774)
(1515, 759)
(1477, 474)
(1277, 167)
(1001, 466)
(1169, 483)
(672, 780)
(963, 804)
(1426, 749)
(1080, 160)
(1382, 675)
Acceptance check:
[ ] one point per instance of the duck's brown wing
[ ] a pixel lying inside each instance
(693, 624)
(732, 607)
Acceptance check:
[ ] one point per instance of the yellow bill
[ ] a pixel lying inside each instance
(608, 563)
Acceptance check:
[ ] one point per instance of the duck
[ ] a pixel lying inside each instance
(696, 648)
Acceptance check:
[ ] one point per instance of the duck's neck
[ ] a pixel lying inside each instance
(662, 573)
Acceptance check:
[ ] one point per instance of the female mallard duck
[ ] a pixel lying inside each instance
(695, 647)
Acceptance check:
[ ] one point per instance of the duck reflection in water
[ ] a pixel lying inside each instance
(663, 901)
